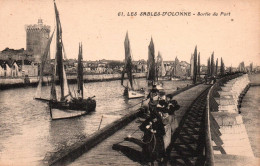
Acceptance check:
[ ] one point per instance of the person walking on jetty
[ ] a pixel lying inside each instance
(153, 144)
(172, 107)
(206, 79)
(153, 97)
(166, 108)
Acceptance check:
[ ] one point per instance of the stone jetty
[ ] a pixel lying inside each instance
(234, 135)
(208, 130)
(103, 154)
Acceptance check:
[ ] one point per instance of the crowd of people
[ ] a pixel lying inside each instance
(157, 126)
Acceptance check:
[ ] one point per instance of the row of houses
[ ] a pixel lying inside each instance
(14, 70)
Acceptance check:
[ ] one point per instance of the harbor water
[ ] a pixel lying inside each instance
(28, 134)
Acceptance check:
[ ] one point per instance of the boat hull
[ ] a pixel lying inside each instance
(74, 108)
(135, 94)
(175, 79)
(131, 94)
(159, 87)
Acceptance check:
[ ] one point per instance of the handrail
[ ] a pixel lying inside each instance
(209, 154)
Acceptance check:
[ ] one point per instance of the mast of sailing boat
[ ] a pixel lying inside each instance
(128, 62)
(80, 72)
(131, 91)
(151, 76)
(59, 58)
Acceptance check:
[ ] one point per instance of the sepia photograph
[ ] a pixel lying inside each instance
(129, 82)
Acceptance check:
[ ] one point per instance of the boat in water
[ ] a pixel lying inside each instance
(177, 72)
(132, 89)
(161, 71)
(67, 105)
(152, 75)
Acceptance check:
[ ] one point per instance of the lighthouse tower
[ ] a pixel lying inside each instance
(37, 37)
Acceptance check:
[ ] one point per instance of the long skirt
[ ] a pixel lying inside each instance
(167, 136)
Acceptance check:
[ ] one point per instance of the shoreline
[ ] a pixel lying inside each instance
(10, 83)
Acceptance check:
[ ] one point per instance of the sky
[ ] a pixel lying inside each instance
(95, 23)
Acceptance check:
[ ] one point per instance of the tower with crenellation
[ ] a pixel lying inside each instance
(37, 37)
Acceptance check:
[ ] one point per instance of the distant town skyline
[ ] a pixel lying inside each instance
(102, 32)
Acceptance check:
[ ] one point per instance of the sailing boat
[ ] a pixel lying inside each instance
(132, 89)
(161, 72)
(176, 70)
(152, 75)
(66, 106)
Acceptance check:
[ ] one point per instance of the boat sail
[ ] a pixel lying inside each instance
(176, 70)
(161, 72)
(67, 106)
(152, 76)
(132, 89)
(38, 95)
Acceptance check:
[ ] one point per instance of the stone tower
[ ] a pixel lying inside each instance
(37, 37)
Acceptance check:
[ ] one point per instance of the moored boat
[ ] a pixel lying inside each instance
(152, 75)
(132, 89)
(67, 105)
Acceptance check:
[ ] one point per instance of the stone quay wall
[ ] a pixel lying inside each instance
(6, 83)
(227, 99)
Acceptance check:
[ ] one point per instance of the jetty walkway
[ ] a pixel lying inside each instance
(104, 154)
(208, 130)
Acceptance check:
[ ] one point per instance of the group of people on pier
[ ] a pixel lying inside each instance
(157, 126)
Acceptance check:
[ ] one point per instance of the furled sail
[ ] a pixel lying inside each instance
(43, 61)
(151, 62)
(128, 60)
(80, 72)
(53, 95)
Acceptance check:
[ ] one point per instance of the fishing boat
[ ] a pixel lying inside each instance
(152, 75)
(67, 105)
(161, 71)
(132, 89)
(177, 72)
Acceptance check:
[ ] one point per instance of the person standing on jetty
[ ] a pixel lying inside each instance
(166, 109)
(172, 107)
(153, 144)
(154, 97)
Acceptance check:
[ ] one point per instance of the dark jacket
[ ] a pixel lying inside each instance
(173, 106)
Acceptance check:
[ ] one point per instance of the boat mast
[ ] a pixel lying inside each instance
(151, 62)
(128, 60)
(59, 57)
(80, 71)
